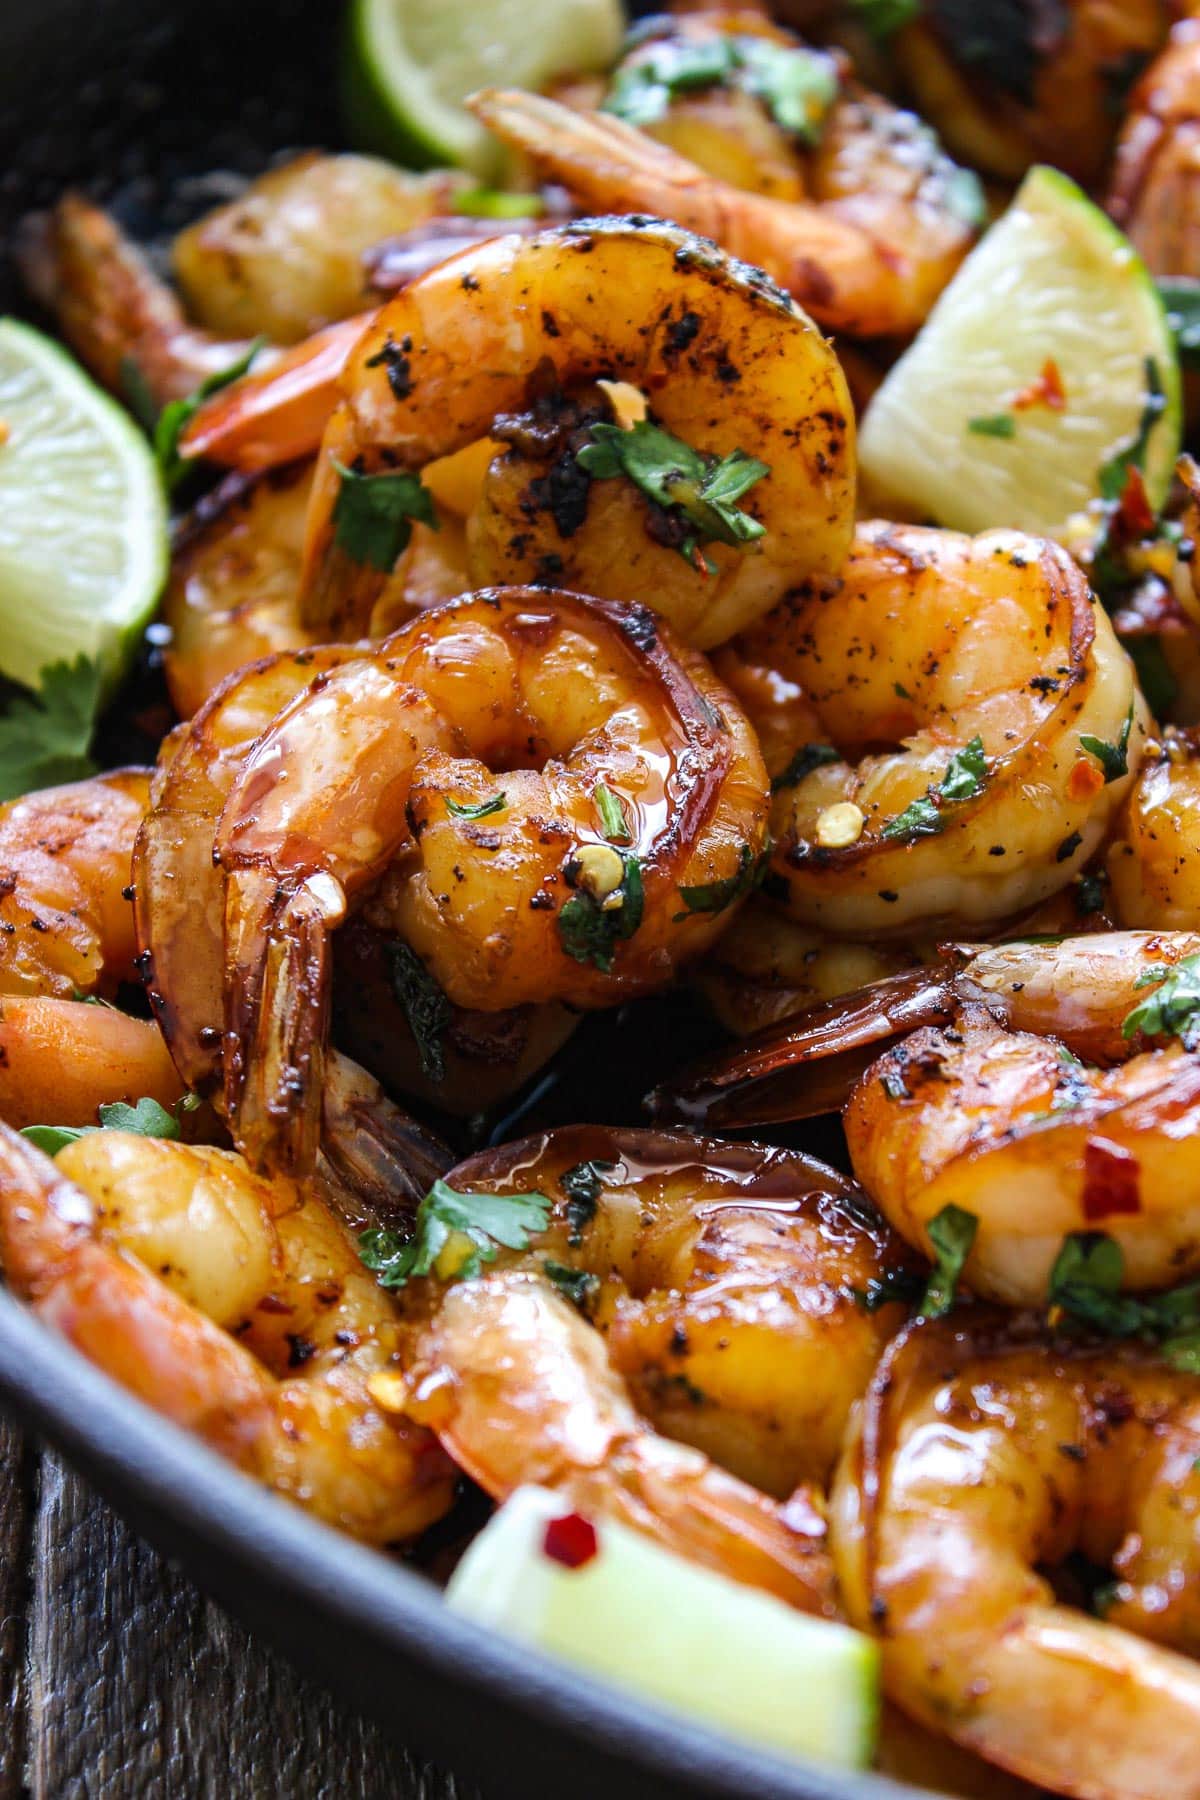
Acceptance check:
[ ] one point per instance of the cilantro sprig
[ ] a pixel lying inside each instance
(177, 415)
(700, 490)
(145, 1118)
(485, 1224)
(1085, 1283)
(45, 737)
(1173, 1009)
(1113, 758)
(424, 1004)
(952, 1233)
(965, 777)
(373, 515)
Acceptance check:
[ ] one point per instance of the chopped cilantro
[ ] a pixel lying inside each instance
(488, 203)
(997, 425)
(715, 896)
(576, 1284)
(1113, 758)
(612, 815)
(966, 774)
(806, 759)
(894, 1286)
(425, 1007)
(952, 1233)
(44, 737)
(177, 415)
(487, 1223)
(590, 929)
(1085, 1283)
(582, 1186)
(480, 809)
(1173, 1009)
(797, 86)
(883, 18)
(373, 515)
(1181, 298)
(699, 489)
(145, 1118)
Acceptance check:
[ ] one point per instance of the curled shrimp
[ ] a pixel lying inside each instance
(741, 1293)
(337, 777)
(1154, 194)
(888, 221)
(934, 642)
(66, 936)
(238, 1309)
(724, 358)
(1152, 859)
(981, 1462)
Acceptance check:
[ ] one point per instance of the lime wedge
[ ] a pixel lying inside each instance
(409, 65)
(83, 520)
(964, 429)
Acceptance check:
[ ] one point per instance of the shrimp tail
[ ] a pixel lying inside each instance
(382, 1154)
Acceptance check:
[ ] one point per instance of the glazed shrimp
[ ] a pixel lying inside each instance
(981, 1462)
(1155, 193)
(1152, 860)
(501, 883)
(66, 935)
(935, 642)
(725, 360)
(888, 221)
(723, 1283)
(288, 1397)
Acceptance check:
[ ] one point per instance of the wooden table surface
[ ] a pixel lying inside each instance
(118, 1679)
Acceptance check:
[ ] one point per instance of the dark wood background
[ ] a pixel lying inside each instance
(119, 1679)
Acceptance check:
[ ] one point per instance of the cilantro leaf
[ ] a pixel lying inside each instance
(177, 415)
(883, 18)
(903, 1286)
(145, 1118)
(1113, 758)
(582, 1186)
(1085, 1283)
(806, 759)
(576, 1284)
(488, 1223)
(482, 809)
(715, 896)
(965, 777)
(1173, 1009)
(796, 86)
(425, 1007)
(997, 425)
(612, 815)
(44, 737)
(1181, 298)
(642, 92)
(700, 489)
(590, 929)
(373, 514)
(952, 1233)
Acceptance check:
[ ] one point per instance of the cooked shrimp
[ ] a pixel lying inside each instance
(1154, 858)
(889, 219)
(1155, 190)
(741, 1292)
(1034, 1145)
(727, 362)
(61, 1059)
(979, 1464)
(1027, 86)
(239, 1310)
(502, 883)
(991, 666)
(286, 257)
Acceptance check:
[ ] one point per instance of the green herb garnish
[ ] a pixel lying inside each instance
(489, 1223)
(612, 815)
(373, 515)
(45, 737)
(1153, 672)
(1181, 298)
(145, 1118)
(1085, 1283)
(1113, 758)
(425, 1006)
(797, 86)
(1173, 1009)
(1114, 473)
(715, 896)
(997, 425)
(479, 809)
(589, 929)
(952, 1233)
(883, 18)
(576, 1284)
(489, 203)
(806, 759)
(177, 415)
(965, 777)
(582, 1186)
(894, 1286)
(700, 489)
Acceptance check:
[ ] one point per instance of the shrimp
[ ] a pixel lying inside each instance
(67, 935)
(234, 587)
(501, 884)
(727, 361)
(1154, 194)
(1152, 859)
(237, 1309)
(983, 1460)
(1011, 88)
(1079, 990)
(889, 220)
(1003, 673)
(287, 256)
(742, 1293)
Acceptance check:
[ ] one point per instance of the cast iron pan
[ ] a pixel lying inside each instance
(138, 103)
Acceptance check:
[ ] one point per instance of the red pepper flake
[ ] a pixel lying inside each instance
(1085, 780)
(1110, 1180)
(1135, 515)
(1047, 390)
(570, 1540)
